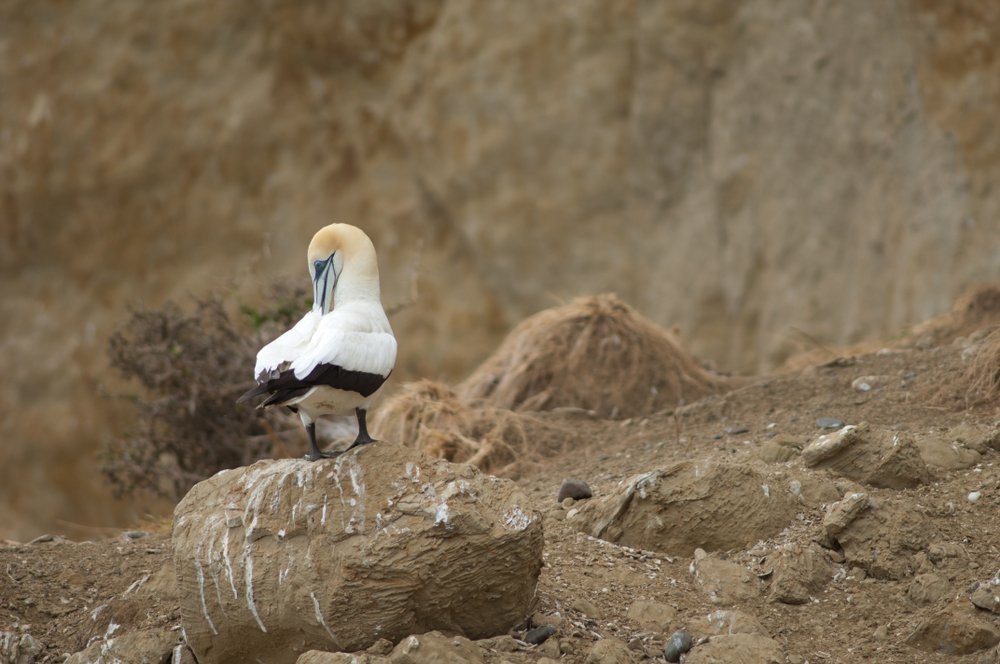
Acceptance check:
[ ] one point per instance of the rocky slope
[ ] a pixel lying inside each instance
(845, 512)
(757, 172)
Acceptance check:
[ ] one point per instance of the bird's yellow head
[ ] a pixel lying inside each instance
(333, 250)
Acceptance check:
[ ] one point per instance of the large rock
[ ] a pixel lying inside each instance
(697, 504)
(150, 646)
(878, 536)
(958, 629)
(737, 649)
(286, 556)
(874, 456)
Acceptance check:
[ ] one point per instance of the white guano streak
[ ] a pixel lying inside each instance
(201, 595)
(248, 573)
(319, 617)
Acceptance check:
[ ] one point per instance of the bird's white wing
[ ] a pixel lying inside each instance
(286, 348)
(355, 338)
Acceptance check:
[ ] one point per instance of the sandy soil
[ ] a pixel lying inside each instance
(65, 594)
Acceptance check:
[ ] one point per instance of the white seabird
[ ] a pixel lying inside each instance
(336, 359)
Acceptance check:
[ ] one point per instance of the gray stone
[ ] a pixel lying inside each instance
(678, 644)
(575, 489)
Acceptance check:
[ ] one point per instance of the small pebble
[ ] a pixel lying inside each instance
(587, 608)
(679, 643)
(134, 534)
(974, 496)
(575, 489)
(829, 423)
(539, 634)
(737, 429)
(567, 502)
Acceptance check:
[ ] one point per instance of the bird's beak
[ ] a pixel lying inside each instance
(324, 281)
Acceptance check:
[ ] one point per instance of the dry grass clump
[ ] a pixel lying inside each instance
(595, 353)
(982, 376)
(979, 307)
(432, 418)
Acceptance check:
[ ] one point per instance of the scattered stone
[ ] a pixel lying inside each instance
(736, 430)
(380, 647)
(435, 648)
(609, 651)
(974, 496)
(733, 622)
(946, 453)
(322, 555)
(538, 619)
(737, 649)
(874, 456)
(587, 608)
(869, 383)
(829, 423)
(937, 552)
(928, 588)
(539, 634)
(149, 645)
(651, 616)
(678, 644)
(19, 648)
(575, 489)
(779, 449)
(955, 630)
(134, 534)
(799, 573)
(504, 643)
(879, 539)
(42, 539)
(568, 502)
(724, 582)
(550, 648)
(691, 504)
(978, 438)
(987, 596)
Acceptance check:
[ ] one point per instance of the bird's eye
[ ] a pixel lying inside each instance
(318, 266)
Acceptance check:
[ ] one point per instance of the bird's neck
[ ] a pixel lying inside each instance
(357, 285)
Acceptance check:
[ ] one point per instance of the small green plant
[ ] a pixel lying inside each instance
(190, 366)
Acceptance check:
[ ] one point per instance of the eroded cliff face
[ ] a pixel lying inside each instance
(750, 171)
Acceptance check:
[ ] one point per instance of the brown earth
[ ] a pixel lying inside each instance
(807, 586)
(763, 174)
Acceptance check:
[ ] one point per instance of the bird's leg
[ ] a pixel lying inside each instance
(363, 437)
(314, 453)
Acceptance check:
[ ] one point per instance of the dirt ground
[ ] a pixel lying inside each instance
(66, 594)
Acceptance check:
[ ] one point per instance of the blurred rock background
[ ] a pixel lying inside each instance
(758, 172)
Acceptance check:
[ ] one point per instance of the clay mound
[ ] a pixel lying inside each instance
(430, 417)
(595, 353)
(978, 308)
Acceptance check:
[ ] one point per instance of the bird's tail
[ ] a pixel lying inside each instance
(256, 391)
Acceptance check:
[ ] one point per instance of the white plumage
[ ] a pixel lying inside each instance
(336, 359)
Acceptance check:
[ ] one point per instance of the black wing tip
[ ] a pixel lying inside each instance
(255, 391)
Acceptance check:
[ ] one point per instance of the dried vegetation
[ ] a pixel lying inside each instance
(189, 367)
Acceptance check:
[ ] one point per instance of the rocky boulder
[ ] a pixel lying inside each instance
(700, 504)
(286, 556)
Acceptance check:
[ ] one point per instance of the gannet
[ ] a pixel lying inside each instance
(336, 359)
